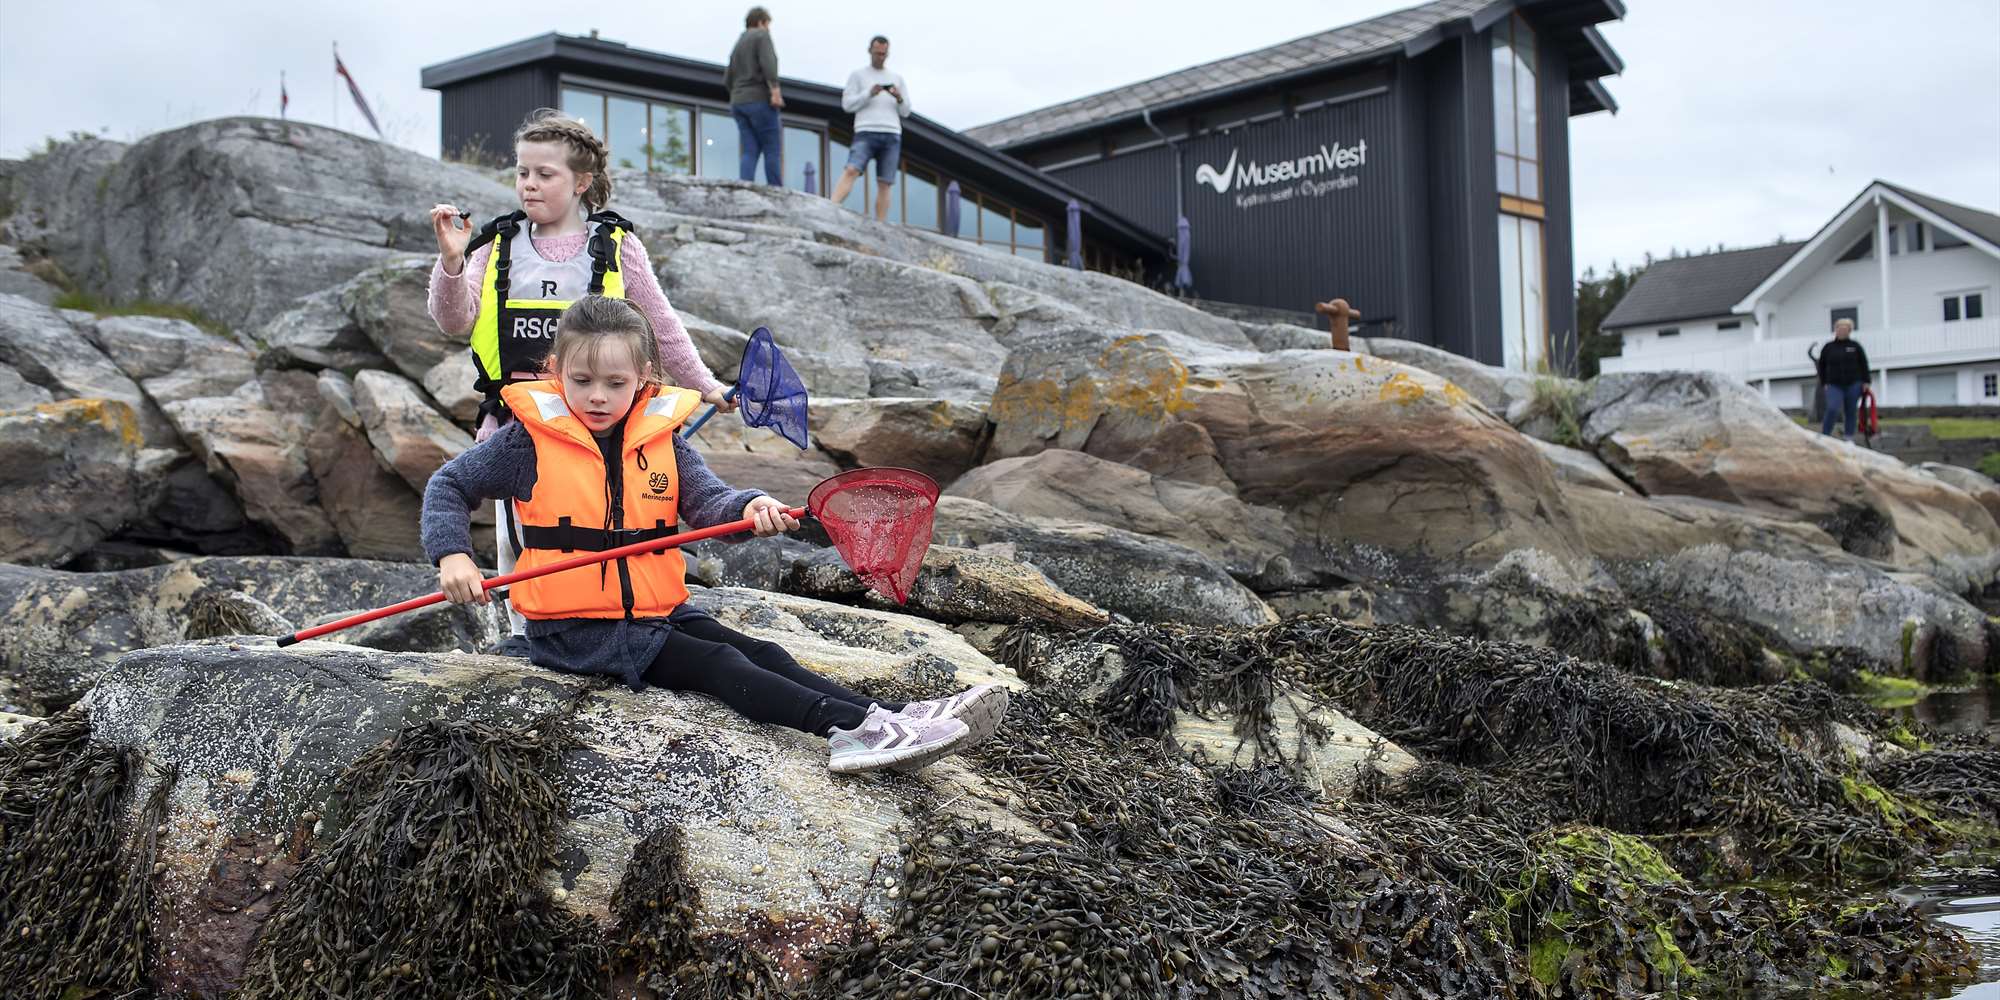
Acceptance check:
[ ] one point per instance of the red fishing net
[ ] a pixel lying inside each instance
(880, 521)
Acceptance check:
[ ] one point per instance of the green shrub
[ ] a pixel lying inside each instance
(1990, 465)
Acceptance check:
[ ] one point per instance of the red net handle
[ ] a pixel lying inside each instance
(588, 559)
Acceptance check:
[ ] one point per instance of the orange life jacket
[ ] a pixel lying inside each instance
(568, 512)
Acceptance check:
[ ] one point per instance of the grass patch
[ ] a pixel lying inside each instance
(1952, 428)
(1559, 399)
(1989, 465)
(75, 299)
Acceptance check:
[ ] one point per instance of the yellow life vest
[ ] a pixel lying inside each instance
(579, 506)
(516, 324)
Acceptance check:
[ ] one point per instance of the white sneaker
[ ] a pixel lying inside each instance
(884, 738)
(981, 708)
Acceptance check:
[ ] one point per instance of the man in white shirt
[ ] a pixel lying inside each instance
(879, 101)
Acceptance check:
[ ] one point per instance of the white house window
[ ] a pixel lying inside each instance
(1862, 249)
(1852, 314)
(1732, 324)
(1964, 305)
(1989, 385)
(1906, 236)
(1670, 331)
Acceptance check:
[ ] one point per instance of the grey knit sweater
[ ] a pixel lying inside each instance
(504, 466)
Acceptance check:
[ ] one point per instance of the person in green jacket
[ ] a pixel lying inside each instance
(755, 100)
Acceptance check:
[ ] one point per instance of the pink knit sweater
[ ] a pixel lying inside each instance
(454, 302)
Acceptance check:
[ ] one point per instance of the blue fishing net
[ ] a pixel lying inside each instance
(772, 393)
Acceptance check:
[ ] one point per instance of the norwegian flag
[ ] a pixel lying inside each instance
(284, 98)
(354, 90)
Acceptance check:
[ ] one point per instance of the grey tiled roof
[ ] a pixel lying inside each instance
(1694, 287)
(1354, 40)
(1986, 224)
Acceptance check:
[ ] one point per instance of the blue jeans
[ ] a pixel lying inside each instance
(886, 148)
(1842, 399)
(759, 130)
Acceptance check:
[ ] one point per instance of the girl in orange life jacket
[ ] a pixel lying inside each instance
(591, 462)
(561, 245)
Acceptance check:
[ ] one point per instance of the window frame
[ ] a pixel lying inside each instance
(1989, 385)
(1963, 305)
(1505, 33)
(1667, 331)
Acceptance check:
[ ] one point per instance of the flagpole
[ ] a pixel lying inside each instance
(336, 85)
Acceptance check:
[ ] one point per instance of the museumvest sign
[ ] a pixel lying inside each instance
(1308, 169)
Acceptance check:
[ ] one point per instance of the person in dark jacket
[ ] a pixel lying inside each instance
(755, 100)
(1843, 370)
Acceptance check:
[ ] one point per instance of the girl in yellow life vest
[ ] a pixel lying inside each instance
(524, 268)
(592, 462)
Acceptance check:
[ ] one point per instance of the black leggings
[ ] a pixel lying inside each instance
(756, 678)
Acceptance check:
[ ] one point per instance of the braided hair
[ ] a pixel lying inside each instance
(587, 153)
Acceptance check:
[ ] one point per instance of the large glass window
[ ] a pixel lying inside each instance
(996, 225)
(673, 139)
(627, 133)
(801, 148)
(1523, 314)
(920, 199)
(720, 154)
(586, 106)
(1028, 239)
(1516, 116)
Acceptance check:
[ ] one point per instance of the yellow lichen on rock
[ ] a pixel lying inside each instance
(1401, 388)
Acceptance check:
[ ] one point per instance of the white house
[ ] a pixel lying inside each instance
(1924, 311)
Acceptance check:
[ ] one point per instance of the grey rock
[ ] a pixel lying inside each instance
(242, 216)
(69, 478)
(412, 438)
(66, 628)
(49, 352)
(954, 585)
(1577, 467)
(16, 279)
(1286, 337)
(1703, 434)
(1253, 544)
(449, 382)
(938, 437)
(17, 393)
(721, 349)
(1495, 388)
(1389, 472)
(1811, 604)
(374, 509)
(390, 304)
(260, 455)
(1148, 579)
(173, 359)
(1968, 481)
(318, 333)
(846, 306)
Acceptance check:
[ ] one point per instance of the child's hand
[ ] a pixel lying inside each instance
(458, 577)
(770, 517)
(720, 399)
(453, 235)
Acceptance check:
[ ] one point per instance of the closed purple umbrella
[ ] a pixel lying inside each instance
(1183, 277)
(1075, 235)
(811, 187)
(951, 209)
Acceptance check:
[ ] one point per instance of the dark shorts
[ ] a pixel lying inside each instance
(885, 148)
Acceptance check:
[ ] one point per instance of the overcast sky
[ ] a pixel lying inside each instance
(1740, 121)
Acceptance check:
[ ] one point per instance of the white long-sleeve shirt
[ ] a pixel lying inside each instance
(880, 113)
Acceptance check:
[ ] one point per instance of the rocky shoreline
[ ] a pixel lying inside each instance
(1337, 673)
